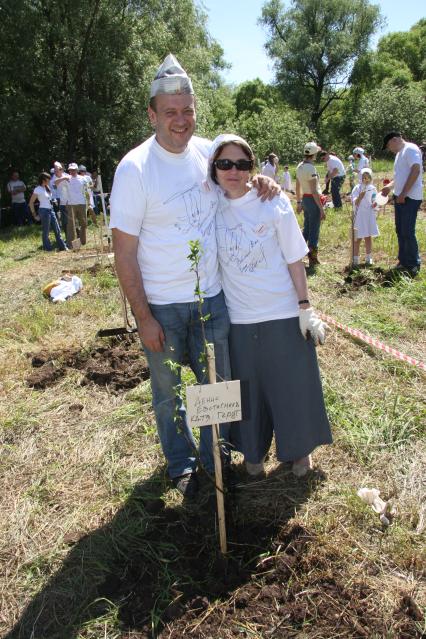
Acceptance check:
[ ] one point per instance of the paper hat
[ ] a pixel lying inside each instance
(171, 78)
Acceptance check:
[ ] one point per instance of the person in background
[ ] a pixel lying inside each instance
(96, 192)
(261, 248)
(62, 195)
(309, 200)
(45, 213)
(408, 194)
(336, 175)
(350, 172)
(76, 207)
(16, 188)
(271, 167)
(361, 161)
(286, 181)
(88, 192)
(365, 213)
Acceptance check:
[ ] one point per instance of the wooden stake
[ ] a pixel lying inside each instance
(211, 367)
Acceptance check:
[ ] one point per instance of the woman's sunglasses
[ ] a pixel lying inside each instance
(240, 165)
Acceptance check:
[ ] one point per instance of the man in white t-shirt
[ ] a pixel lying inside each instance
(336, 174)
(408, 194)
(158, 205)
(76, 206)
(16, 188)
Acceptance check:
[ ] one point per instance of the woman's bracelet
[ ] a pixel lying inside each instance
(303, 302)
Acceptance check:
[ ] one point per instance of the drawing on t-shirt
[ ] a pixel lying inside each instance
(200, 211)
(246, 254)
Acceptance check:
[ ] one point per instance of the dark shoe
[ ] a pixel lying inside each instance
(187, 485)
(313, 257)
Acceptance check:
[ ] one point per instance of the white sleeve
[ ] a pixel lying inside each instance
(413, 157)
(355, 192)
(128, 199)
(290, 238)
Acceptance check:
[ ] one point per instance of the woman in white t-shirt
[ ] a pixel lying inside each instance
(46, 214)
(260, 248)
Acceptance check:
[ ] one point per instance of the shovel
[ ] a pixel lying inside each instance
(127, 328)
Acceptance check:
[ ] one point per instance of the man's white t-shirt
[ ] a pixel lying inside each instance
(44, 196)
(410, 154)
(160, 197)
(17, 198)
(76, 187)
(62, 189)
(335, 163)
(256, 240)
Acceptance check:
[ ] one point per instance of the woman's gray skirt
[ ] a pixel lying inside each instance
(284, 391)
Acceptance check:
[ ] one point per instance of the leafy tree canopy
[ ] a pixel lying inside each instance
(315, 44)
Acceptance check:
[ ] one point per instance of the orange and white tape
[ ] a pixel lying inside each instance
(374, 342)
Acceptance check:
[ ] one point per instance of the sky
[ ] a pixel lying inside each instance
(234, 24)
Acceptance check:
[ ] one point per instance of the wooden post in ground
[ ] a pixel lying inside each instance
(211, 367)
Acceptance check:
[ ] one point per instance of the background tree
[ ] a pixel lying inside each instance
(253, 96)
(76, 78)
(277, 130)
(315, 44)
(388, 108)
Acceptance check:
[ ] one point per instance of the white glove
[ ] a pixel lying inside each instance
(310, 323)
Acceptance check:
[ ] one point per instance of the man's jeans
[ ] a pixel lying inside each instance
(48, 219)
(312, 221)
(336, 185)
(405, 225)
(184, 340)
(21, 213)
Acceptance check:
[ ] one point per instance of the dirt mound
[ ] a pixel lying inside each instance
(368, 278)
(118, 366)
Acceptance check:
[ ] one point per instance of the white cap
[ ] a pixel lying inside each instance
(171, 78)
(57, 165)
(311, 148)
(367, 170)
(358, 150)
(72, 166)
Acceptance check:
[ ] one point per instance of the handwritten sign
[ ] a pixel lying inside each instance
(213, 403)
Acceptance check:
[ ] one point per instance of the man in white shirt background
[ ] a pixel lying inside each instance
(408, 194)
(336, 174)
(16, 188)
(76, 206)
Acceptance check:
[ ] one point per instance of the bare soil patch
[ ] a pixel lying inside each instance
(118, 366)
(368, 278)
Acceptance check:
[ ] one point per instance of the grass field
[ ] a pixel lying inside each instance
(94, 543)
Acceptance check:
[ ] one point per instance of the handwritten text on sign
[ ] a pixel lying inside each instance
(213, 403)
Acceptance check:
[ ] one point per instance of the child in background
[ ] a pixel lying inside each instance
(350, 172)
(365, 224)
(286, 181)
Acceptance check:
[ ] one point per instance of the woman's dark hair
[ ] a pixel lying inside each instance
(42, 177)
(243, 146)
